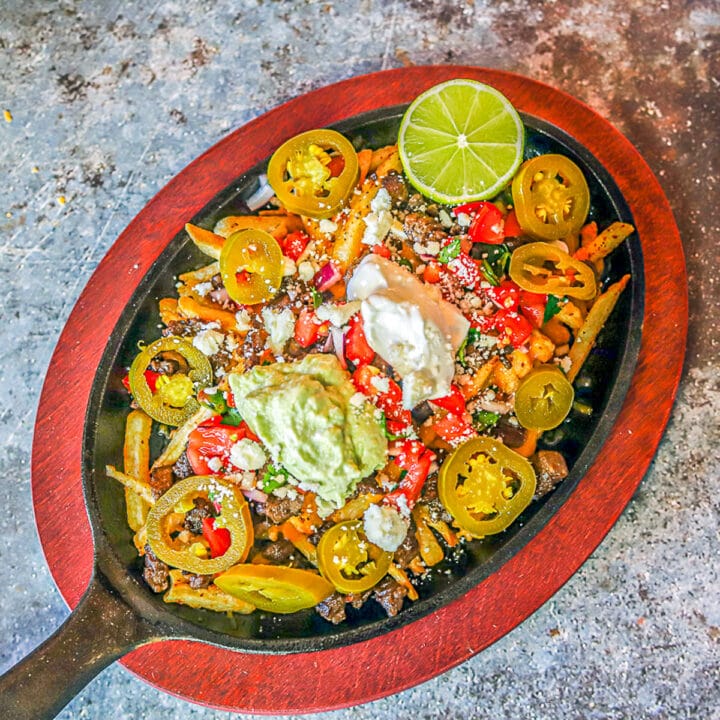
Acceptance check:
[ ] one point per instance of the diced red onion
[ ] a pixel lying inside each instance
(338, 338)
(328, 346)
(255, 495)
(261, 196)
(326, 277)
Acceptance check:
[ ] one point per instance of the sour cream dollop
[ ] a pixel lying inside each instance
(410, 326)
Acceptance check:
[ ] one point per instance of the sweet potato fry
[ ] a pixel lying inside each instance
(202, 274)
(605, 242)
(364, 160)
(179, 439)
(348, 239)
(192, 308)
(206, 241)
(277, 225)
(594, 322)
(168, 308)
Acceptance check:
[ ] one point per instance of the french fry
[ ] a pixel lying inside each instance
(140, 488)
(479, 381)
(168, 310)
(202, 274)
(400, 576)
(209, 598)
(355, 508)
(192, 308)
(140, 540)
(430, 550)
(594, 322)
(364, 159)
(380, 155)
(290, 532)
(571, 315)
(276, 225)
(208, 242)
(348, 239)
(136, 463)
(505, 378)
(541, 347)
(605, 242)
(177, 443)
(529, 446)
(390, 164)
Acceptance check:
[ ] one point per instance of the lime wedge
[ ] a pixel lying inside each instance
(461, 141)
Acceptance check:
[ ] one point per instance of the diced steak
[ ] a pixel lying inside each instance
(390, 594)
(161, 479)
(332, 608)
(194, 518)
(155, 572)
(551, 469)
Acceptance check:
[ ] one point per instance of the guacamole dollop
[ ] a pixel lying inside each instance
(311, 419)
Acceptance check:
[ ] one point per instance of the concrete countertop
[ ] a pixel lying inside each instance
(105, 102)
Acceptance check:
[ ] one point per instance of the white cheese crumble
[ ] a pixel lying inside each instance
(385, 527)
(327, 226)
(208, 341)
(380, 383)
(247, 455)
(289, 266)
(431, 247)
(203, 288)
(280, 327)
(338, 315)
(379, 221)
(243, 321)
(215, 464)
(306, 271)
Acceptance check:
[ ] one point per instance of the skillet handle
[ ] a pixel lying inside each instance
(101, 629)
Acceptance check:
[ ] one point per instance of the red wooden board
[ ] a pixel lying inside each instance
(346, 676)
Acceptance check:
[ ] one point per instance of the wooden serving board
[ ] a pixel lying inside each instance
(416, 652)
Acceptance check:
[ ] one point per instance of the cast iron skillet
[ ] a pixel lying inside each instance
(118, 612)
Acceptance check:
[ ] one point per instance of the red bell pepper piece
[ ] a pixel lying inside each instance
(453, 429)
(357, 349)
(431, 273)
(487, 224)
(513, 326)
(382, 251)
(453, 403)
(416, 460)
(214, 440)
(151, 377)
(512, 226)
(219, 539)
(307, 328)
(390, 401)
(294, 244)
(465, 269)
(506, 295)
(532, 306)
(336, 165)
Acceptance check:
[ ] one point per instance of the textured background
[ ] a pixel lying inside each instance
(109, 100)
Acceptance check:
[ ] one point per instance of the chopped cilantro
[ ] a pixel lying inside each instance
(405, 263)
(388, 434)
(472, 335)
(489, 272)
(317, 298)
(450, 251)
(484, 420)
(215, 401)
(232, 417)
(273, 478)
(553, 307)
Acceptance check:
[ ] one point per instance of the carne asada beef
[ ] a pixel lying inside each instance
(198, 582)
(279, 552)
(278, 510)
(161, 480)
(390, 594)
(332, 608)
(423, 229)
(408, 549)
(182, 468)
(194, 518)
(551, 469)
(155, 572)
(396, 187)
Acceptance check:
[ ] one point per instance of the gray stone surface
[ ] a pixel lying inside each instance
(109, 100)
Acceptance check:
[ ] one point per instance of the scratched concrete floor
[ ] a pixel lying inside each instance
(110, 100)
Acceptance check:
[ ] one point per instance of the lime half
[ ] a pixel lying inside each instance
(460, 141)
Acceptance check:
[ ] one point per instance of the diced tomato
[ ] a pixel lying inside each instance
(357, 349)
(483, 323)
(294, 244)
(307, 328)
(381, 250)
(151, 377)
(416, 460)
(513, 326)
(487, 224)
(465, 269)
(431, 273)
(389, 401)
(214, 440)
(218, 538)
(453, 429)
(532, 306)
(512, 226)
(336, 165)
(453, 403)
(506, 295)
